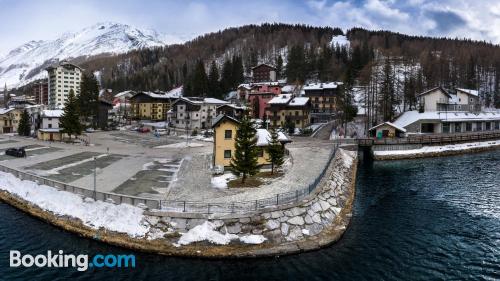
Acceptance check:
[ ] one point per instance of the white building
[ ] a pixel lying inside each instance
(62, 78)
(49, 128)
(195, 112)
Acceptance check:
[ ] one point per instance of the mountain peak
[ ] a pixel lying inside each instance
(26, 62)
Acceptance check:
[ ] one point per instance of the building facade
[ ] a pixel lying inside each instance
(195, 112)
(40, 90)
(263, 73)
(323, 97)
(63, 77)
(286, 108)
(9, 119)
(225, 128)
(49, 129)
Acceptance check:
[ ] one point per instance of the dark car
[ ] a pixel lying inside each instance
(143, 130)
(16, 152)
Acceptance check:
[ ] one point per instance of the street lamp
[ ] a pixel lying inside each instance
(95, 175)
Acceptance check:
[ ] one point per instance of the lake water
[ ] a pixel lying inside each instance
(428, 219)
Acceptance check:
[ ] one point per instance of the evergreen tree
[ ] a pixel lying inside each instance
(238, 72)
(290, 126)
(24, 128)
(199, 80)
(276, 151)
(244, 161)
(387, 94)
(70, 119)
(279, 66)
(88, 99)
(227, 76)
(296, 66)
(214, 89)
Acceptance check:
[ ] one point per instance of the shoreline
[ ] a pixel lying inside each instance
(327, 236)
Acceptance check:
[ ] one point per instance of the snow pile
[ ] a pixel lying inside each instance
(207, 232)
(340, 41)
(434, 149)
(221, 181)
(122, 218)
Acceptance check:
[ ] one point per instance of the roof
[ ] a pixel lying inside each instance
(263, 64)
(51, 130)
(234, 106)
(6, 110)
(52, 113)
(201, 101)
(433, 89)
(298, 101)
(320, 86)
(125, 93)
(280, 99)
(64, 64)
(410, 117)
(224, 117)
(172, 94)
(264, 136)
(469, 91)
(389, 124)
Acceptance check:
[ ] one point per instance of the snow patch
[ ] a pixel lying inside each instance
(432, 149)
(207, 232)
(221, 181)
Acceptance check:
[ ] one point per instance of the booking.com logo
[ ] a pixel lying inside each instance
(61, 260)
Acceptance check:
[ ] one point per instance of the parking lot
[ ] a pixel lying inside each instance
(140, 164)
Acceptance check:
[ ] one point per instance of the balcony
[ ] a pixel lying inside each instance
(458, 107)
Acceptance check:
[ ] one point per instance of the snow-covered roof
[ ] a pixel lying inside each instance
(223, 116)
(433, 89)
(469, 91)
(298, 101)
(280, 99)
(52, 113)
(5, 110)
(245, 85)
(389, 124)
(264, 137)
(319, 86)
(263, 64)
(128, 93)
(50, 130)
(410, 117)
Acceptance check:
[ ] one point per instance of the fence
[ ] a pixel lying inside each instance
(180, 206)
(103, 196)
(432, 139)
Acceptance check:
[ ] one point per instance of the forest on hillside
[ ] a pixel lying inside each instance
(388, 69)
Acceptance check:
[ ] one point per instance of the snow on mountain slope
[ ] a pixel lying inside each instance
(26, 62)
(340, 40)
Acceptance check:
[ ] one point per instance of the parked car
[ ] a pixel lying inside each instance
(16, 152)
(160, 132)
(89, 130)
(143, 130)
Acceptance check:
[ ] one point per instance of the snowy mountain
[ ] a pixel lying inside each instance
(27, 62)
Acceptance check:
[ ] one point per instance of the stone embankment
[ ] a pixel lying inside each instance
(314, 222)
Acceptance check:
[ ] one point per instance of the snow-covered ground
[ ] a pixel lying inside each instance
(433, 149)
(221, 181)
(180, 145)
(122, 218)
(207, 232)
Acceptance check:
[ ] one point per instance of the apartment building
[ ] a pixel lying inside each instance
(63, 77)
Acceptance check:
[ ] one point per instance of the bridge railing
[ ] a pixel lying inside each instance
(431, 139)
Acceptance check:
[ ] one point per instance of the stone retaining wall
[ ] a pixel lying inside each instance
(314, 222)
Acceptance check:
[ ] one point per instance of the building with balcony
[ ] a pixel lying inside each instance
(192, 113)
(153, 106)
(323, 97)
(63, 77)
(286, 108)
(40, 90)
(263, 73)
(444, 112)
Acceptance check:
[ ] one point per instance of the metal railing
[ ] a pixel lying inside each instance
(432, 139)
(180, 205)
(247, 206)
(84, 192)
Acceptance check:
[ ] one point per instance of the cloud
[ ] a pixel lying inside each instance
(446, 21)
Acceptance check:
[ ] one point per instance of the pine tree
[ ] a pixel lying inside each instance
(244, 161)
(200, 80)
(388, 95)
(227, 76)
(214, 89)
(70, 120)
(24, 128)
(276, 151)
(279, 66)
(88, 99)
(238, 71)
(296, 66)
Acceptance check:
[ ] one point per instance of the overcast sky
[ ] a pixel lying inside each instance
(22, 21)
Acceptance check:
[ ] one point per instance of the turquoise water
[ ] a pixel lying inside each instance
(428, 219)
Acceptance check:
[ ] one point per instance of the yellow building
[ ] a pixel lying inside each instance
(153, 106)
(225, 128)
(9, 119)
(287, 108)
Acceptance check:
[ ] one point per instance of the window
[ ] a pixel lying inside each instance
(488, 126)
(228, 134)
(227, 154)
(479, 126)
(260, 152)
(468, 126)
(458, 127)
(50, 126)
(497, 125)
